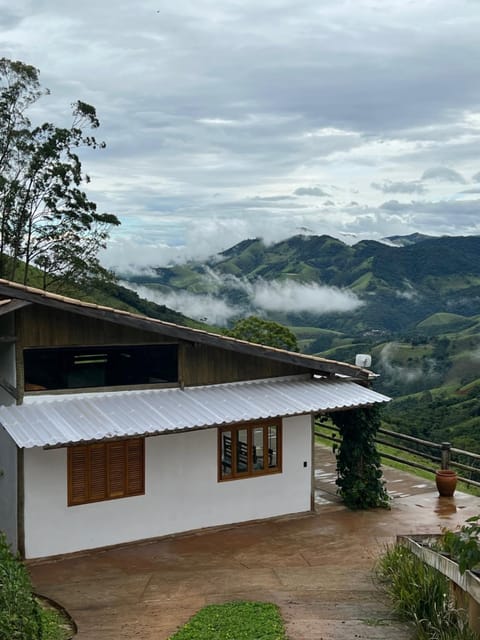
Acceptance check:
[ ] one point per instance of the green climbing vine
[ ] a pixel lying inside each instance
(359, 473)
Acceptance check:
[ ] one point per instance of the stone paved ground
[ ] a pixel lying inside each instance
(317, 567)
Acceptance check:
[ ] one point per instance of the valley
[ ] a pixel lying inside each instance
(413, 304)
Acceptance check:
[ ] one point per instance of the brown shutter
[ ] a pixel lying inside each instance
(101, 471)
(116, 469)
(77, 475)
(98, 472)
(135, 466)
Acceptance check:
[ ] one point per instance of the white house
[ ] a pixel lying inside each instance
(116, 427)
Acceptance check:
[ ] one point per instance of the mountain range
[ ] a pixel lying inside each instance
(386, 288)
(412, 302)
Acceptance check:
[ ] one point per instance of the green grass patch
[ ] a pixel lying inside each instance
(54, 625)
(441, 318)
(420, 473)
(306, 333)
(327, 433)
(234, 621)
(403, 353)
(470, 388)
(361, 283)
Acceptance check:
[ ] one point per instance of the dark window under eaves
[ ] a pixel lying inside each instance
(111, 366)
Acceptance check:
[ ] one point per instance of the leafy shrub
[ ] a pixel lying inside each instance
(464, 545)
(265, 332)
(421, 594)
(358, 461)
(20, 617)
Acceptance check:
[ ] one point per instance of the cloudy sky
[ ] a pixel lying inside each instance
(230, 119)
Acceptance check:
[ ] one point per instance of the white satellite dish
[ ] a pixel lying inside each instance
(363, 360)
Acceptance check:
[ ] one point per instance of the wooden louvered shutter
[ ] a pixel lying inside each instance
(116, 469)
(135, 466)
(101, 471)
(98, 472)
(77, 475)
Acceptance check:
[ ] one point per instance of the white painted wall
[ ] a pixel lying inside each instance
(181, 493)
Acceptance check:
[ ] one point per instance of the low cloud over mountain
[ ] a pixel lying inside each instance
(291, 296)
(205, 308)
(320, 281)
(259, 297)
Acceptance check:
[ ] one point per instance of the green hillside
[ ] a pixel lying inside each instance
(110, 294)
(433, 379)
(419, 318)
(400, 286)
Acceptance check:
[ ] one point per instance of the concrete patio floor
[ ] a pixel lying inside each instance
(317, 567)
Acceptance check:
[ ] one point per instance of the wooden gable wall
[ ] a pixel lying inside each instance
(202, 364)
(39, 326)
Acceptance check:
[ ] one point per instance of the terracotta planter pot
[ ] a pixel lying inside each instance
(446, 481)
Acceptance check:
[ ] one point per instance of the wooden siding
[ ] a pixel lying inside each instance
(199, 364)
(202, 364)
(47, 327)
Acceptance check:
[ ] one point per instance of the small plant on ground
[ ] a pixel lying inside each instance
(464, 545)
(21, 616)
(19, 611)
(421, 595)
(234, 621)
(358, 461)
(55, 624)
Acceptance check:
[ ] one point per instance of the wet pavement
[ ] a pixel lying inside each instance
(317, 567)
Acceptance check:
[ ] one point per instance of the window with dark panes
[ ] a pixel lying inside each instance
(248, 450)
(106, 470)
(108, 366)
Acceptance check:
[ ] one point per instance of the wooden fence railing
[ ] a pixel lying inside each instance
(423, 454)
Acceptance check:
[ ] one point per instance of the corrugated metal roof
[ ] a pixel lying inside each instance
(65, 420)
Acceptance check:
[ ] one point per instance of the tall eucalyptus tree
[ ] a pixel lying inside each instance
(46, 219)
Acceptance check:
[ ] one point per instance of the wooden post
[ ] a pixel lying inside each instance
(446, 446)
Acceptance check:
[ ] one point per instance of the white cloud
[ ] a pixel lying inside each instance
(290, 296)
(412, 186)
(311, 191)
(408, 293)
(206, 308)
(261, 297)
(443, 173)
(397, 372)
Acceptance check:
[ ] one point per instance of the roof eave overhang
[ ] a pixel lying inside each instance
(213, 425)
(55, 423)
